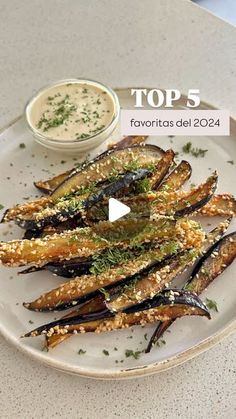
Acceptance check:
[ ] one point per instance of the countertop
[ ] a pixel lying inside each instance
(159, 43)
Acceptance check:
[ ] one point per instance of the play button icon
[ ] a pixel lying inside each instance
(116, 209)
(114, 220)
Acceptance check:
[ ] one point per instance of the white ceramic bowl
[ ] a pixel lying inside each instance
(73, 146)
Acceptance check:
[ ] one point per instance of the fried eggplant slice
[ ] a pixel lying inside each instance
(97, 171)
(223, 205)
(142, 276)
(211, 238)
(83, 242)
(161, 169)
(164, 203)
(95, 264)
(68, 209)
(101, 167)
(144, 286)
(28, 208)
(96, 304)
(129, 270)
(166, 305)
(49, 185)
(197, 198)
(177, 177)
(213, 262)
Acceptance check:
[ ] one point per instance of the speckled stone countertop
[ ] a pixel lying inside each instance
(160, 43)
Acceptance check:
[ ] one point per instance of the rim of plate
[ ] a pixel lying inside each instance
(132, 372)
(126, 373)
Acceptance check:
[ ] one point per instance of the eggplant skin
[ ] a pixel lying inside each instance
(84, 242)
(49, 185)
(166, 305)
(169, 296)
(124, 182)
(66, 269)
(90, 306)
(74, 210)
(151, 282)
(95, 172)
(32, 234)
(201, 278)
(100, 168)
(177, 177)
(213, 263)
(199, 197)
(162, 169)
(172, 203)
(141, 270)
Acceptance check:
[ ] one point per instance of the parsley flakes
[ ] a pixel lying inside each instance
(130, 353)
(196, 152)
(211, 304)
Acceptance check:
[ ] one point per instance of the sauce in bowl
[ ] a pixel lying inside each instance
(73, 111)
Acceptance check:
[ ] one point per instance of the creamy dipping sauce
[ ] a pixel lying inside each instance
(72, 111)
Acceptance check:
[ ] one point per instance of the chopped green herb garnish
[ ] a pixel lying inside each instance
(143, 185)
(61, 114)
(211, 304)
(1, 206)
(114, 175)
(81, 352)
(159, 343)
(132, 166)
(187, 147)
(196, 152)
(230, 161)
(130, 353)
(22, 145)
(102, 262)
(105, 352)
(31, 322)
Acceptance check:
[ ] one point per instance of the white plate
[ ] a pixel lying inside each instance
(188, 337)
